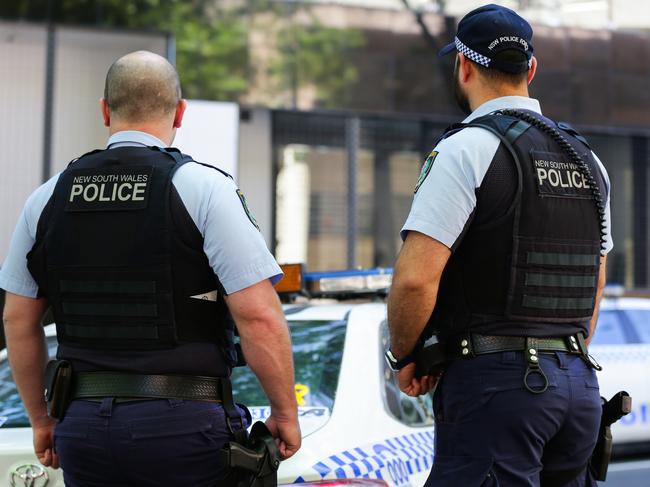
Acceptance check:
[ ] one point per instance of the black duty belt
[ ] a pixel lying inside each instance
(473, 344)
(477, 344)
(89, 385)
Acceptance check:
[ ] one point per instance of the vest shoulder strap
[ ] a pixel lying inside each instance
(181, 159)
(573, 132)
(215, 168)
(96, 151)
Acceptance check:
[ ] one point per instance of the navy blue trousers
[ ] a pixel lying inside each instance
(164, 442)
(491, 431)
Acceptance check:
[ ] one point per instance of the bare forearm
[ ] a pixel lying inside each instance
(408, 313)
(413, 294)
(267, 348)
(266, 344)
(27, 353)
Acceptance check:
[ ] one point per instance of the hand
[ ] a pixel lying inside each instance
(44, 445)
(286, 433)
(415, 386)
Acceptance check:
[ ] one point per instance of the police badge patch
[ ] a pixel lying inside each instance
(426, 168)
(250, 216)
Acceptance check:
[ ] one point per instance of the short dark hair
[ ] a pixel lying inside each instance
(497, 76)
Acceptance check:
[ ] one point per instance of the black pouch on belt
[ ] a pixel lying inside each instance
(58, 387)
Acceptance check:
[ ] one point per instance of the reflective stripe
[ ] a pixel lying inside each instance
(110, 309)
(108, 287)
(551, 302)
(559, 280)
(548, 258)
(110, 331)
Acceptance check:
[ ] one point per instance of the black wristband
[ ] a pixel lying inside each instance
(395, 364)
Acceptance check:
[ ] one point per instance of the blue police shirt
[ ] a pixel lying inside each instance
(235, 248)
(446, 198)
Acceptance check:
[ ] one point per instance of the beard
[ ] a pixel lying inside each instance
(461, 97)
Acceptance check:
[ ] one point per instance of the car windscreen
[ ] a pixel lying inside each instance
(317, 353)
(12, 412)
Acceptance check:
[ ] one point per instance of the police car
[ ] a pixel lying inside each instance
(358, 428)
(621, 345)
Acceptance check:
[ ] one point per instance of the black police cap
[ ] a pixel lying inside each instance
(487, 31)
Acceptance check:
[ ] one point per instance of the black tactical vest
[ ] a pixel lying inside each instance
(533, 271)
(119, 259)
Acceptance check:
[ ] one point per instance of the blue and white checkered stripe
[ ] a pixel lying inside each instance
(471, 54)
(414, 451)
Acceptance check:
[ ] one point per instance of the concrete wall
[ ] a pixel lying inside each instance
(22, 97)
(255, 172)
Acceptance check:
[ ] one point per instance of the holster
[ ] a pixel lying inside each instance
(58, 387)
(613, 410)
(255, 463)
(602, 454)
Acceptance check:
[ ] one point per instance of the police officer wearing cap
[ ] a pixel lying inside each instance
(145, 257)
(496, 289)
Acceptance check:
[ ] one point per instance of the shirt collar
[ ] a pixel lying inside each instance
(515, 102)
(129, 138)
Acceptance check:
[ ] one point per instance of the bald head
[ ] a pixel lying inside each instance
(142, 86)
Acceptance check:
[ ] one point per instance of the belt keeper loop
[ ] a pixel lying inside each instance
(575, 345)
(533, 367)
(531, 352)
(466, 345)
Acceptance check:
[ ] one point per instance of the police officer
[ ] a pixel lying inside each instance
(501, 273)
(144, 256)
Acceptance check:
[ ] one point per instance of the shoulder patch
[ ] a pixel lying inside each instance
(426, 169)
(250, 216)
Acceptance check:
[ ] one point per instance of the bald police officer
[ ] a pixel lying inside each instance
(500, 275)
(144, 256)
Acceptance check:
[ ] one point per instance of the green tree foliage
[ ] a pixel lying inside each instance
(212, 51)
(319, 56)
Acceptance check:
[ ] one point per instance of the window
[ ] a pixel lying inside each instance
(317, 354)
(12, 411)
(412, 411)
(609, 330)
(640, 321)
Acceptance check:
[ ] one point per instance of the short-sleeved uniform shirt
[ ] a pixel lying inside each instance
(235, 248)
(446, 198)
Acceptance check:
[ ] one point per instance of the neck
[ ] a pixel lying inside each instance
(485, 95)
(158, 130)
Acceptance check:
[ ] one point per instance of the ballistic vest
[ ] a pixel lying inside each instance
(533, 271)
(122, 263)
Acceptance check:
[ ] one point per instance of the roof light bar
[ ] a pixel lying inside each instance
(292, 282)
(349, 282)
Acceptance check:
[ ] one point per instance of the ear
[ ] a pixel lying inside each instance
(106, 114)
(532, 70)
(465, 68)
(180, 111)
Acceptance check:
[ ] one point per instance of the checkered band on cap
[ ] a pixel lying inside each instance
(471, 54)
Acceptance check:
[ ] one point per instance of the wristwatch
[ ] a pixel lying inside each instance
(396, 365)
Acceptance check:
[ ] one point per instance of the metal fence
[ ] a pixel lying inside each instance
(359, 170)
